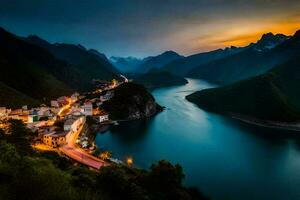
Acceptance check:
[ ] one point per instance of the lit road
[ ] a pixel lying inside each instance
(78, 154)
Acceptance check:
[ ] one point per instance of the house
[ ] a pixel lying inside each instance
(54, 103)
(74, 97)
(3, 112)
(63, 100)
(87, 109)
(73, 123)
(55, 139)
(103, 118)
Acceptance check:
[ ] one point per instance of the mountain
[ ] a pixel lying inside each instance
(182, 66)
(255, 59)
(126, 64)
(158, 61)
(89, 63)
(30, 73)
(272, 96)
(156, 79)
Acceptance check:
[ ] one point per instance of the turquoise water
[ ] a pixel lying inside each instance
(224, 158)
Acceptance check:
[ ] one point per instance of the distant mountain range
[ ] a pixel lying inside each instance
(126, 64)
(34, 71)
(89, 63)
(141, 66)
(252, 60)
(273, 95)
(183, 66)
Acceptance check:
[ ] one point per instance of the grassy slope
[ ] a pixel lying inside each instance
(271, 96)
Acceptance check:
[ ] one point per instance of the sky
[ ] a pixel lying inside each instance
(148, 27)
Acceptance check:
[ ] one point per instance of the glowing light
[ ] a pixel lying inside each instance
(129, 161)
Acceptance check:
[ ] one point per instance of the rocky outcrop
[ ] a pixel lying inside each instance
(131, 101)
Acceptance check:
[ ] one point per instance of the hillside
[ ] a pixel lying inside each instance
(30, 71)
(256, 59)
(156, 79)
(272, 96)
(131, 101)
(89, 63)
(156, 62)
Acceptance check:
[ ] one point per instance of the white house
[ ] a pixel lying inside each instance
(103, 118)
(87, 109)
(73, 124)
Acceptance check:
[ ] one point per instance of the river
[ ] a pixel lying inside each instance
(224, 158)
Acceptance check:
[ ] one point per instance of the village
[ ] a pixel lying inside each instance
(61, 126)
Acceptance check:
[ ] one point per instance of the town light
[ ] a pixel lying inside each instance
(129, 161)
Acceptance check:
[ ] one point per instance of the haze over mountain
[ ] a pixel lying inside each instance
(126, 64)
(254, 59)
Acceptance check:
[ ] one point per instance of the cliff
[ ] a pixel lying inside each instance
(131, 101)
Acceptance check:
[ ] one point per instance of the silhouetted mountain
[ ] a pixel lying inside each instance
(126, 64)
(269, 41)
(182, 66)
(29, 72)
(90, 63)
(156, 79)
(153, 62)
(255, 59)
(272, 96)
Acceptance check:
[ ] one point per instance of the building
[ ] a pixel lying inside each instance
(74, 97)
(103, 118)
(3, 112)
(55, 139)
(63, 100)
(72, 124)
(87, 109)
(54, 103)
(33, 118)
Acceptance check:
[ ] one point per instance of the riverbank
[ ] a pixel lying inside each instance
(266, 123)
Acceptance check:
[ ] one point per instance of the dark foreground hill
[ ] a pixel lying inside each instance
(272, 96)
(28, 174)
(29, 72)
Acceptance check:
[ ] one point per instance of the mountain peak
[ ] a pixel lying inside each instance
(170, 53)
(269, 41)
(297, 34)
(36, 39)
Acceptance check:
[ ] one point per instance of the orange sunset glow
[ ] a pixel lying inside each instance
(242, 33)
